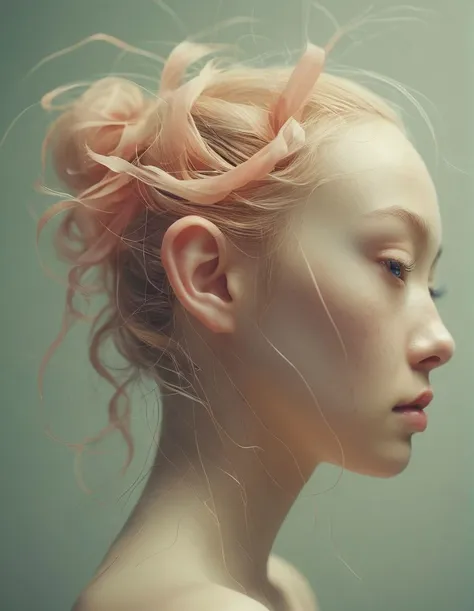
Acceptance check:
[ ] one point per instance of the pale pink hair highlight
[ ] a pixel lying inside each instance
(290, 136)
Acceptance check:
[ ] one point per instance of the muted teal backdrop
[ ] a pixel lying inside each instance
(411, 539)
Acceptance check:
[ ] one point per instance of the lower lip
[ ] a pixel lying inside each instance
(415, 418)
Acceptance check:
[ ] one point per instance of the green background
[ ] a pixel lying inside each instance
(410, 540)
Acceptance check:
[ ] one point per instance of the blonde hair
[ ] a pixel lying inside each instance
(136, 161)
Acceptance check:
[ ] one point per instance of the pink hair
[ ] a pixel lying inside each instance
(237, 145)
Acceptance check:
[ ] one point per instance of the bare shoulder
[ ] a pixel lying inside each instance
(199, 597)
(202, 596)
(211, 598)
(295, 585)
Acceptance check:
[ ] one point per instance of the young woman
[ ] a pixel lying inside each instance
(266, 240)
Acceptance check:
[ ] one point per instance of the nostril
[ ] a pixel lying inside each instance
(430, 362)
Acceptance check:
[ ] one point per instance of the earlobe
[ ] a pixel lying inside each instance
(195, 257)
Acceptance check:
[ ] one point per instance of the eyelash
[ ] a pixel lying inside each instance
(406, 269)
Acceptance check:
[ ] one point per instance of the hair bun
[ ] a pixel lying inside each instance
(110, 118)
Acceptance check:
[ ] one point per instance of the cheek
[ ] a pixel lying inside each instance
(345, 326)
(343, 309)
(360, 319)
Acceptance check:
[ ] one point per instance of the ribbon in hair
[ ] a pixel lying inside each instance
(284, 121)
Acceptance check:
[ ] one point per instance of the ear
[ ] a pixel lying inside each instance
(197, 259)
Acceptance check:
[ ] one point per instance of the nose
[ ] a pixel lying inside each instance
(434, 347)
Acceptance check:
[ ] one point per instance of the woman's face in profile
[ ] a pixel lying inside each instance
(352, 328)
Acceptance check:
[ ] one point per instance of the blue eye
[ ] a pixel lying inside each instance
(400, 270)
(395, 267)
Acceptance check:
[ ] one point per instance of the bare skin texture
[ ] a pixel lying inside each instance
(310, 378)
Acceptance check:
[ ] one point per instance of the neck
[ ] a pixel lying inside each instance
(232, 473)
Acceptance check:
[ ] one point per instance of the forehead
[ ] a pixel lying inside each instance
(373, 166)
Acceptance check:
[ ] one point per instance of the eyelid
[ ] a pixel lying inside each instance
(395, 238)
(400, 255)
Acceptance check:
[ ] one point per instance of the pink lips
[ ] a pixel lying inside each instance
(422, 401)
(413, 413)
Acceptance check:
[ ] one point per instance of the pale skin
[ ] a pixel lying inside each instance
(344, 337)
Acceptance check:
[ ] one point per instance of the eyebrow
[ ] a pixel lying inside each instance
(417, 224)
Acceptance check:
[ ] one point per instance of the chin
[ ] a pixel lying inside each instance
(387, 463)
(386, 471)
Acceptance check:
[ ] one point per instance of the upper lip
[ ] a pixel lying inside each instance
(421, 401)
